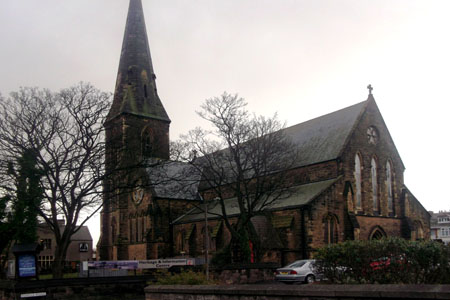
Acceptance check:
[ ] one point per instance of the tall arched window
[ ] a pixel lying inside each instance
(113, 231)
(146, 144)
(131, 223)
(373, 170)
(145, 91)
(136, 229)
(358, 181)
(143, 229)
(330, 229)
(390, 194)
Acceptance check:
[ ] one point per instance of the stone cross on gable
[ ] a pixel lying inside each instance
(370, 88)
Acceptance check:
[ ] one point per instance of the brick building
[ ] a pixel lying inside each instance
(348, 181)
(80, 247)
(440, 226)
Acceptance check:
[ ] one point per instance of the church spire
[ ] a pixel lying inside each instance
(135, 91)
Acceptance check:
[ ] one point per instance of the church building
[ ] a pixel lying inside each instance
(348, 182)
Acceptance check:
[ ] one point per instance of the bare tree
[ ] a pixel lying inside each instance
(245, 157)
(64, 132)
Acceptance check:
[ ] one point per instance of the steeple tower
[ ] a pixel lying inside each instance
(136, 128)
(135, 91)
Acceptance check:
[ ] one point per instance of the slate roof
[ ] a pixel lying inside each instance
(301, 195)
(82, 235)
(282, 221)
(175, 180)
(135, 91)
(323, 138)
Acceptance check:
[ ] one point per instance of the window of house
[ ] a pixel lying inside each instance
(445, 232)
(45, 261)
(46, 244)
(358, 181)
(390, 194)
(373, 170)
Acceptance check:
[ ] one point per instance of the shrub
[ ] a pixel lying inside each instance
(391, 260)
(164, 277)
(222, 257)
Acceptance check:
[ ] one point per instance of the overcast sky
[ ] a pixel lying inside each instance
(299, 58)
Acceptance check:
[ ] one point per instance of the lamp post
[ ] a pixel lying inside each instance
(206, 237)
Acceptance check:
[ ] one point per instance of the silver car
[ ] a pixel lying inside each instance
(298, 271)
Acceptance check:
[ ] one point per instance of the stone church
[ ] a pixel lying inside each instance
(348, 181)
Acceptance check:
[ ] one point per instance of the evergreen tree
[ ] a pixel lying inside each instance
(28, 198)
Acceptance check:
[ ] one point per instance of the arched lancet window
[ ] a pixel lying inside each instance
(358, 181)
(417, 234)
(373, 171)
(145, 91)
(143, 229)
(130, 226)
(390, 194)
(146, 144)
(330, 229)
(137, 231)
(183, 240)
(113, 230)
(377, 234)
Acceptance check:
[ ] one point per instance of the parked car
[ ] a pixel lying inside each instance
(298, 271)
(384, 262)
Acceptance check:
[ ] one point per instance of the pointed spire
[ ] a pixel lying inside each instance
(135, 91)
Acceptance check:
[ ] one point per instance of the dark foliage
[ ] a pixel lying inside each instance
(385, 261)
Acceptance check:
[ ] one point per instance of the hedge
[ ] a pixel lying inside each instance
(386, 261)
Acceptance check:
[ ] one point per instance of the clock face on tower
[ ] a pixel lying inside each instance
(138, 195)
(372, 135)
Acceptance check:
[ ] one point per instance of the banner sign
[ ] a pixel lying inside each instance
(165, 263)
(27, 265)
(110, 264)
(142, 264)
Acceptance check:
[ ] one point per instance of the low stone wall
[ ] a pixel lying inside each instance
(106, 288)
(303, 292)
(243, 274)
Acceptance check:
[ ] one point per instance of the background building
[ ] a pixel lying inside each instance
(80, 247)
(440, 226)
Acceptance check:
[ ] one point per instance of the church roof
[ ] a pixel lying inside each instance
(175, 180)
(135, 91)
(301, 195)
(323, 138)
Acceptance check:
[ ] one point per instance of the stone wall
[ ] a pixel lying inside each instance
(244, 274)
(279, 292)
(131, 287)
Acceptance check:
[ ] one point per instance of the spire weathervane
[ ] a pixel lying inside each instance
(370, 88)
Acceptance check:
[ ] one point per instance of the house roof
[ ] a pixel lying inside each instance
(301, 195)
(323, 138)
(82, 235)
